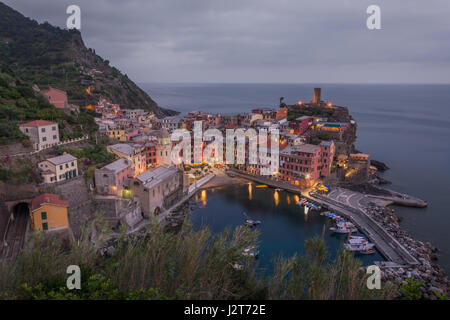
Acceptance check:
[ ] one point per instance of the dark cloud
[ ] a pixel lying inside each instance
(262, 40)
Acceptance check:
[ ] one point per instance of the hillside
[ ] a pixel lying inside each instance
(50, 56)
(19, 102)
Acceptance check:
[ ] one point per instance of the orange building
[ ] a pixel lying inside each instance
(48, 212)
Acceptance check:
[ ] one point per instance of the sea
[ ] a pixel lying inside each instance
(405, 126)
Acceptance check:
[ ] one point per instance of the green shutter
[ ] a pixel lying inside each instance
(44, 215)
(45, 226)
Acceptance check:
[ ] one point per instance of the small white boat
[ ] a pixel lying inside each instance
(278, 189)
(347, 225)
(341, 229)
(251, 252)
(252, 223)
(360, 247)
(238, 266)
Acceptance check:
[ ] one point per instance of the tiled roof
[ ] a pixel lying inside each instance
(50, 198)
(37, 123)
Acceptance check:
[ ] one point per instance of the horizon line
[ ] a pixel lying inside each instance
(302, 83)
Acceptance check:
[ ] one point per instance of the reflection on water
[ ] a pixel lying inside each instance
(203, 198)
(296, 198)
(285, 225)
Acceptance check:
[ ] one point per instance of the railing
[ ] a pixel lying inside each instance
(49, 145)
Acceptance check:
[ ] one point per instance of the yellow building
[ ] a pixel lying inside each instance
(115, 133)
(48, 213)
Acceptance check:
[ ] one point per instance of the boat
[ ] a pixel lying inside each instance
(368, 251)
(261, 186)
(361, 247)
(251, 252)
(238, 266)
(278, 189)
(343, 229)
(252, 223)
(345, 224)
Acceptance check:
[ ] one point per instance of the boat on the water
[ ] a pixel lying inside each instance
(252, 223)
(360, 247)
(368, 251)
(278, 189)
(343, 229)
(251, 252)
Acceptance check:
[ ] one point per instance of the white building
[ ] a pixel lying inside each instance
(59, 168)
(41, 133)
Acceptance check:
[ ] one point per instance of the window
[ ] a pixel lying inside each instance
(45, 226)
(73, 164)
(43, 130)
(26, 129)
(67, 165)
(60, 167)
(44, 215)
(54, 137)
(54, 128)
(44, 138)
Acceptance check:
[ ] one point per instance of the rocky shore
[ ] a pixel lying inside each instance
(432, 275)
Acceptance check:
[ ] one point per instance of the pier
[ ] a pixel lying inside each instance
(388, 246)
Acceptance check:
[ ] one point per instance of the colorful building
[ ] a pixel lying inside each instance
(59, 168)
(304, 164)
(49, 213)
(113, 178)
(301, 125)
(134, 153)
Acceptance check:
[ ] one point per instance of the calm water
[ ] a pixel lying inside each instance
(284, 227)
(406, 126)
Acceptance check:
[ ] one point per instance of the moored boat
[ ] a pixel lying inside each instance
(251, 252)
(252, 223)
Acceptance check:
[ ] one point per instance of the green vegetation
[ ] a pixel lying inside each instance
(19, 102)
(184, 265)
(50, 56)
(411, 290)
(27, 174)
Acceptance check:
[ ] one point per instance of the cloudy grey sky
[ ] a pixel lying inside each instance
(262, 40)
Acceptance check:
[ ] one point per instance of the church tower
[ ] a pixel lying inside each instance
(163, 148)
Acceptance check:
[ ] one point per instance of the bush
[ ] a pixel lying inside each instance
(184, 265)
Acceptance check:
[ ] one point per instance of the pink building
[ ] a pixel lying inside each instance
(56, 97)
(301, 124)
(304, 164)
(113, 178)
